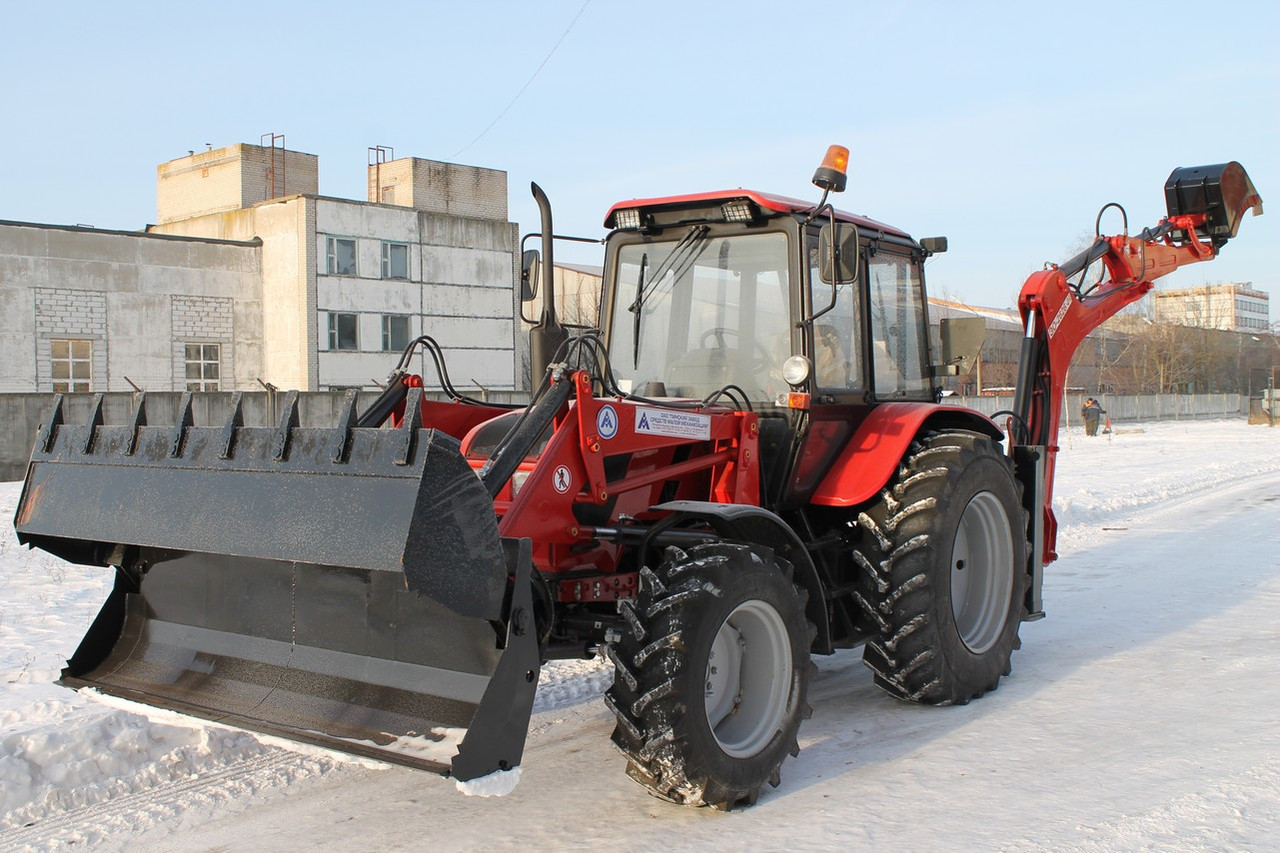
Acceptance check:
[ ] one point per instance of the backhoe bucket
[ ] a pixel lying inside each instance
(346, 586)
(1222, 192)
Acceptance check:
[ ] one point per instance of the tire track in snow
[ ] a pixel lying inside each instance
(97, 823)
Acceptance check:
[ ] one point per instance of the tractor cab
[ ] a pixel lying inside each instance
(722, 296)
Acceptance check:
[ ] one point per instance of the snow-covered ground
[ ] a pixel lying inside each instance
(1141, 714)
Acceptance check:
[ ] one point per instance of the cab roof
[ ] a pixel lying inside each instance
(768, 201)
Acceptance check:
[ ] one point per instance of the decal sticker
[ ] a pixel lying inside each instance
(607, 422)
(673, 424)
(1062, 313)
(561, 479)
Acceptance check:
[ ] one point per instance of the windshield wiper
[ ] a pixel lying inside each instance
(682, 254)
(636, 310)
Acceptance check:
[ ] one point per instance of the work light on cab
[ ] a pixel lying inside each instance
(628, 219)
(738, 210)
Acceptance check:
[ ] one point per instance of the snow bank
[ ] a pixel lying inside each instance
(84, 755)
(1104, 479)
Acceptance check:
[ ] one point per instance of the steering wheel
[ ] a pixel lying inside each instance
(762, 360)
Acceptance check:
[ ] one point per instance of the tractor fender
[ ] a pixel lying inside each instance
(748, 523)
(872, 455)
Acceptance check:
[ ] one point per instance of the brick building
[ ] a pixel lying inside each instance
(249, 276)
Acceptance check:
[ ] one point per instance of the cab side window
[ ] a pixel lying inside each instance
(837, 346)
(898, 342)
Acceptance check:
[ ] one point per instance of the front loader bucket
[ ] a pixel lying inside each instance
(346, 586)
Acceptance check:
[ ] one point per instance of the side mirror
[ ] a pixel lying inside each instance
(961, 339)
(838, 253)
(530, 262)
(933, 245)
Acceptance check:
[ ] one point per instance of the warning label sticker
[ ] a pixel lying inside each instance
(673, 424)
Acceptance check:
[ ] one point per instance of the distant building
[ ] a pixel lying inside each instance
(250, 276)
(1228, 307)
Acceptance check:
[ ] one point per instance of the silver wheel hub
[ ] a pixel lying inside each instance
(748, 679)
(982, 572)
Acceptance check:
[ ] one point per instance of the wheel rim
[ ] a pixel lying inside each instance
(748, 679)
(982, 572)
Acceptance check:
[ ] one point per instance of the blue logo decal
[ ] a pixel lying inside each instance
(607, 422)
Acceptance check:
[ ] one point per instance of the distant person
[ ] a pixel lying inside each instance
(1092, 412)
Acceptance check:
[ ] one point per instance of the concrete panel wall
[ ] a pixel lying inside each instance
(287, 230)
(459, 291)
(336, 216)
(18, 342)
(1126, 407)
(117, 289)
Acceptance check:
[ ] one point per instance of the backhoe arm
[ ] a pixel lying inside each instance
(1058, 310)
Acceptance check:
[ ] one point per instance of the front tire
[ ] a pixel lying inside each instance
(943, 554)
(711, 675)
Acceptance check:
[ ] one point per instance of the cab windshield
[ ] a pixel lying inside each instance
(709, 311)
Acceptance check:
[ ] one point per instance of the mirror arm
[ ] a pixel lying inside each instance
(525, 238)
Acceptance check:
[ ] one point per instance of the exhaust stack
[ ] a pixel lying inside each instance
(546, 337)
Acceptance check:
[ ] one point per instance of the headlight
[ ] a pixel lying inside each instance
(795, 370)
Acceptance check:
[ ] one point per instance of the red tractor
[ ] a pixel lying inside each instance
(745, 465)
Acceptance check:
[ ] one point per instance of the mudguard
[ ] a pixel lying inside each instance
(872, 454)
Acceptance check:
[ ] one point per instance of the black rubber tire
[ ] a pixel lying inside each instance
(905, 546)
(663, 666)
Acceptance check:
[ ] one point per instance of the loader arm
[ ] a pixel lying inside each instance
(1058, 311)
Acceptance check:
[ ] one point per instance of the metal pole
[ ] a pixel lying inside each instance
(1271, 398)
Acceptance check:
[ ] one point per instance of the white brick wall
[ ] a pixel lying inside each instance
(451, 188)
(231, 178)
(71, 314)
(205, 320)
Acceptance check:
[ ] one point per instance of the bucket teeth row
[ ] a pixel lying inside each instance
(56, 437)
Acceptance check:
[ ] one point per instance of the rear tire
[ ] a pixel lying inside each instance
(711, 675)
(943, 553)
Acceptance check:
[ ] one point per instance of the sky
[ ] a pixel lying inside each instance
(1003, 126)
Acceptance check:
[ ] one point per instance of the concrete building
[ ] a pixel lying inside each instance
(93, 310)
(249, 276)
(1228, 307)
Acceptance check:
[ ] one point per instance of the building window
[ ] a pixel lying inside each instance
(341, 254)
(71, 363)
(395, 332)
(343, 332)
(204, 371)
(395, 260)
